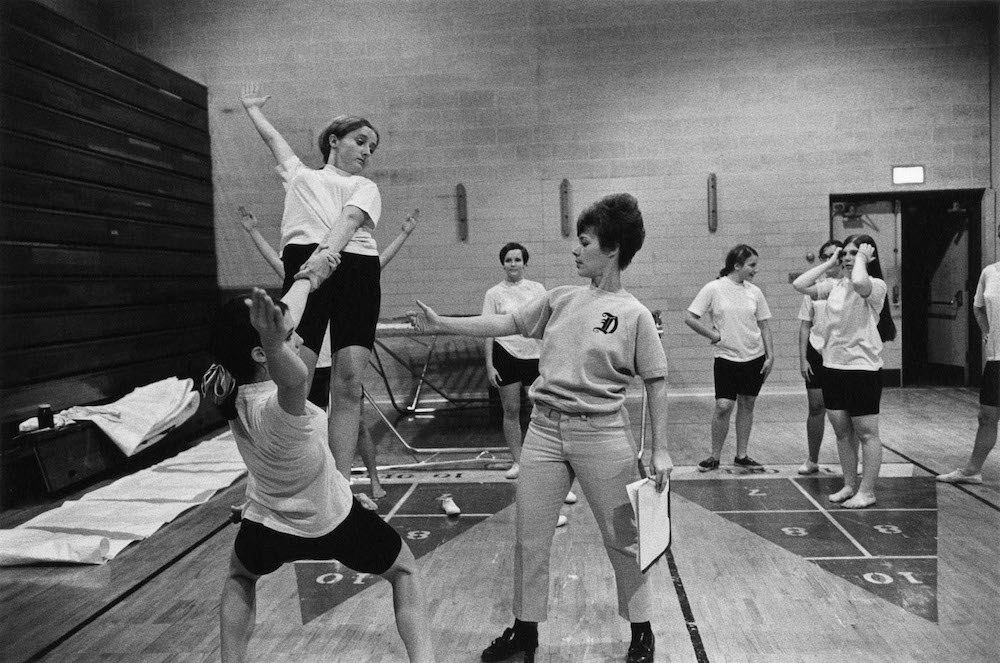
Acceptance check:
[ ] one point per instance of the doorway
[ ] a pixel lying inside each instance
(930, 248)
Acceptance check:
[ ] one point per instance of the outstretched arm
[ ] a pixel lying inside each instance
(483, 326)
(249, 223)
(806, 281)
(409, 225)
(253, 102)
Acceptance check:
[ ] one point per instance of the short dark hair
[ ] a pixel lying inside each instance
(617, 223)
(231, 341)
(340, 126)
(738, 255)
(510, 246)
(830, 242)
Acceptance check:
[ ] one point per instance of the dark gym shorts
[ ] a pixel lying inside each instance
(989, 390)
(351, 297)
(512, 369)
(319, 392)
(858, 393)
(815, 360)
(363, 542)
(734, 378)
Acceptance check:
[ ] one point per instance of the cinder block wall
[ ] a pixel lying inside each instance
(787, 102)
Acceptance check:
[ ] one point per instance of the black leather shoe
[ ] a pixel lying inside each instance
(641, 649)
(511, 643)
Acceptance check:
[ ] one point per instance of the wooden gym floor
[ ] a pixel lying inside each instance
(762, 568)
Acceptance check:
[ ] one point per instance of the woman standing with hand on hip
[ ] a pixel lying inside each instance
(595, 340)
(858, 321)
(744, 352)
(337, 208)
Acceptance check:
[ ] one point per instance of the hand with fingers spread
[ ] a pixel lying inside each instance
(267, 318)
(319, 266)
(252, 97)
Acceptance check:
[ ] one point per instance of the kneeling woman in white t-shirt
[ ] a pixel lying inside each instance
(298, 505)
(858, 321)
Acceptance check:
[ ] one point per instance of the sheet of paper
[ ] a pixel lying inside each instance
(652, 517)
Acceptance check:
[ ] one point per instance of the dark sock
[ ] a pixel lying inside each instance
(526, 628)
(639, 628)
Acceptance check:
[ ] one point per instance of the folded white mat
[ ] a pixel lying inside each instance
(31, 546)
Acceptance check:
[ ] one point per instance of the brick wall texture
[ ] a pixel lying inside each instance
(786, 102)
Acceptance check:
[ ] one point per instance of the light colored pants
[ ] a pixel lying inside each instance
(600, 452)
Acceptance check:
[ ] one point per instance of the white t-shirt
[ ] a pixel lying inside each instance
(314, 200)
(988, 297)
(736, 308)
(815, 312)
(852, 339)
(594, 343)
(293, 485)
(506, 297)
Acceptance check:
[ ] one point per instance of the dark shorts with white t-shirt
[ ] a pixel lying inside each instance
(859, 393)
(989, 390)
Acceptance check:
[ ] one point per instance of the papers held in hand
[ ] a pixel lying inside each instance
(652, 518)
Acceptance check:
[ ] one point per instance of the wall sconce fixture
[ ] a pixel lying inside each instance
(713, 209)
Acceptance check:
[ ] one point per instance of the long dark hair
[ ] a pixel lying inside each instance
(886, 327)
(738, 255)
(231, 342)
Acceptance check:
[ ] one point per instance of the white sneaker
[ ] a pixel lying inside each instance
(571, 498)
(809, 467)
(448, 505)
(562, 521)
(958, 476)
(513, 472)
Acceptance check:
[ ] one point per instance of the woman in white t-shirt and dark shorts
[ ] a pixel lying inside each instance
(336, 208)
(744, 353)
(512, 361)
(812, 336)
(299, 507)
(858, 321)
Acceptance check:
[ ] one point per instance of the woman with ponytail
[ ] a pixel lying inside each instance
(298, 505)
(739, 330)
(858, 322)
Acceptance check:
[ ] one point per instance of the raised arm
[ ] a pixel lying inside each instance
(277, 339)
(249, 223)
(253, 102)
(483, 326)
(860, 280)
(409, 225)
(806, 281)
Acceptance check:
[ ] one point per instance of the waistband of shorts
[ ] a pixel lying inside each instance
(555, 414)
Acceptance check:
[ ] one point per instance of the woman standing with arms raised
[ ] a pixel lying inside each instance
(858, 321)
(337, 208)
(744, 352)
(595, 340)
